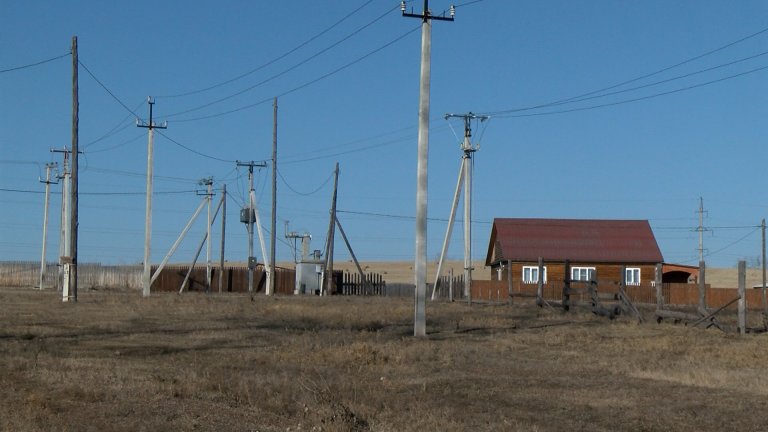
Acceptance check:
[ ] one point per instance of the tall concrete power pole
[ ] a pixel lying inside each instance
(150, 126)
(420, 261)
(48, 183)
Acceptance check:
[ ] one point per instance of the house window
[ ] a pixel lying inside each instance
(632, 276)
(531, 274)
(582, 273)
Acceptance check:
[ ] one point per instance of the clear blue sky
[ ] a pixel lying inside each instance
(348, 91)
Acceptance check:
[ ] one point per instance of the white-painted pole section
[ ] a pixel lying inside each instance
(146, 277)
(209, 198)
(64, 236)
(262, 242)
(420, 262)
(177, 242)
(45, 221)
(251, 203)
(449, 230)
(199, 249)
(468, 223)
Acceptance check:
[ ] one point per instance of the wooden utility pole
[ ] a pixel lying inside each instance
(271, 287)
(328, 285)
(420, 262)
(72, 294)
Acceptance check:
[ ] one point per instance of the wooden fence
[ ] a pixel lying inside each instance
(354, 284)
(94, 275)
(675, 294)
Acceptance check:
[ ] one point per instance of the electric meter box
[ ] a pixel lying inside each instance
(244, 215)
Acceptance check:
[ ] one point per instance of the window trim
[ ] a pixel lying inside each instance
(533, 267)
(573, 279)
(634, 282)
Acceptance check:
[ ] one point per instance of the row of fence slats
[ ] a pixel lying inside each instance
(355, 284)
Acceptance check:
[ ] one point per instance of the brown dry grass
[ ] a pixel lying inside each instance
(114, 361)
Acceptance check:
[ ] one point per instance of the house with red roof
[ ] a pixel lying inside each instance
(611, 251)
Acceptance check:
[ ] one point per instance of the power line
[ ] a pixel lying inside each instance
(117, 128)
(106, 89)
(637, 99)
(302, 193)
(195, 151)
(659, 71)
(135, 138)
(98, 193)
(258, 68)
(668, 79)
(34, 64)
(285, 71)
(306, 84)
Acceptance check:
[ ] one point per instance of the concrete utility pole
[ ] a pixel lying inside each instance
(71, 293)
(701, 229)
(150, 126)
(328, 283)
(465, 173)
(223, 230)
(420, 262)
(208, 182)
(48, 183)
(271, 287)
(249, 219)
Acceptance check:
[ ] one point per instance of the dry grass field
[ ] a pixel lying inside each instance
(117, 362)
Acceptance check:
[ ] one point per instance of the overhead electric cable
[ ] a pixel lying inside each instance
(106, 89)
(34, 64)
(638, 78)
(126, 142)
(258, 68)
(195, 151)
(303, 193)
(306, 84)
(99, 193)
(117, 128)
(279, 74)
(664, 81)
(637, 99)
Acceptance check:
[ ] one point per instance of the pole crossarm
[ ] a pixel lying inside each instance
(426, 15)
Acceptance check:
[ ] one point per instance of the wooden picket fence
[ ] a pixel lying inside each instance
(99, 276)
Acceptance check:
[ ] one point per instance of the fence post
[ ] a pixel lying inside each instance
(742, 297)
(567, 287)
(659, 286)
(450, 286)
(509, 281)
(540, 284)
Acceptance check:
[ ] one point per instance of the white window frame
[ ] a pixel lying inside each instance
(576, 273)
(531, 279)
(632, 271)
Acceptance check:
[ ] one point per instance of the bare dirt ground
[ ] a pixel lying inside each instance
(117, 362)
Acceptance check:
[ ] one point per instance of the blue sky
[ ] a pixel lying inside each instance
(346, 74)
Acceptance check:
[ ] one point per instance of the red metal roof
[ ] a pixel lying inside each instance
(589, 241)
